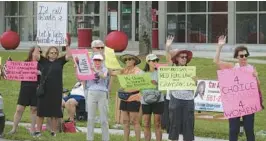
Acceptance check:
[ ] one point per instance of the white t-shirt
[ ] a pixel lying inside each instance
(77, 91)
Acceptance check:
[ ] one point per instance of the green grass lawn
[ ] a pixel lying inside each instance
(205, 70)
(258, 57)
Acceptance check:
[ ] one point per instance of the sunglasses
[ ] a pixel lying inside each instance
(99, 60)
(99, 47)
(128, 59)
(53, 52)
(243, 55)
(156, 60)
(40, 52)
(183, 57)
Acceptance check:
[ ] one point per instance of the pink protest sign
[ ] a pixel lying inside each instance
(21, 71)
(83, 66)
(239, 92)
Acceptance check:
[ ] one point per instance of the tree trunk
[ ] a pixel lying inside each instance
(145, 27)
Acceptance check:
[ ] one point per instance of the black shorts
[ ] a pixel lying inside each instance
(155, 108)
(27, 96)
(130, 106)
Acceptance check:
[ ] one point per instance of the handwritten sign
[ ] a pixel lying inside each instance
(239, 92)
(139, 81)
(208, 97)
(83, 66)
(110, 59)
(51, 23)
(21, 71)
(177, 78)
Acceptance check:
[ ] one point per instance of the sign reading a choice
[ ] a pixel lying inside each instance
(239, 90)
(51, 23)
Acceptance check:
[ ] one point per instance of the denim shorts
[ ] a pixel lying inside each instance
(76, 97)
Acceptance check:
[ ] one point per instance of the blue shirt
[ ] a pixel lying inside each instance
(98, 84)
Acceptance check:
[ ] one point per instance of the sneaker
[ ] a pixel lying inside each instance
(53, 134)
(37, 134)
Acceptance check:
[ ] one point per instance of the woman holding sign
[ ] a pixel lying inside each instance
(152, 101)
(27, 97)
(49, 102)
(241, 53)
(181, 104)
(130, 103)
(97, 97)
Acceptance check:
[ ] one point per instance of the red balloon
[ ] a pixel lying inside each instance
(117, 40)
(10, 40)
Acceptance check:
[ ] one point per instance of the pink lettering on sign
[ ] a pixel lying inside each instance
(21, 71)
(239, 92)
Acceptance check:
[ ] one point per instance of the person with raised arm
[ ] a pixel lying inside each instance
(241, 53)
(49, 104)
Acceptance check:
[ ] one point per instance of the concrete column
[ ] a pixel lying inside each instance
(162, 23)
(133, 31)
(2, 17)
(231, 23)
(103, 19)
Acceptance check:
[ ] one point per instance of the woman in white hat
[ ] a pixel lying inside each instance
(152, 101)
(181, 109)
(97, 94)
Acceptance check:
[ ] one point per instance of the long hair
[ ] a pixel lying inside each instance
(49, 49)
(147, 68)
(29, 58)
(199, 85)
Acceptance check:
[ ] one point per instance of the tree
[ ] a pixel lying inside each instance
(145, 27)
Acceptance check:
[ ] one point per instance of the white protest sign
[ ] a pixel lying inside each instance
(51, 23)
(208, 96)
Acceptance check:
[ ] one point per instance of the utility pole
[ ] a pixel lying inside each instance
(145, 27)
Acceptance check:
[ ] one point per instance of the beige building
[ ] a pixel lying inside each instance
(195, 24)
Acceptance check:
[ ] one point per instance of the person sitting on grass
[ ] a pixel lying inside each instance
(71, 101)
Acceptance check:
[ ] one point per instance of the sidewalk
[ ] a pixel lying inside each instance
(120, 132)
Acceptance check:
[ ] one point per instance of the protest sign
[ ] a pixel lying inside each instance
(177, 78)
(239, 92)
(208, 97)
(137, 81)
(21, 71)
(110, 59)
(51, 23)
(83, 66)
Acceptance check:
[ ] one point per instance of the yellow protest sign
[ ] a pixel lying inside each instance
(176, 78)
(110, 59)
(136, 81)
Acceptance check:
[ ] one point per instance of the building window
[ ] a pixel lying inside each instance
(197, 21)
(19, 18)
(250, 22)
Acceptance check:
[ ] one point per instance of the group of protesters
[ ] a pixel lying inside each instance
(173, 112)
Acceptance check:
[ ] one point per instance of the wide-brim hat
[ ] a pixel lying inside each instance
(122, 58)
(175, 53)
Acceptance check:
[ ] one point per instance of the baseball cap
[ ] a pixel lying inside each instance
(97, 56)
(151, 57)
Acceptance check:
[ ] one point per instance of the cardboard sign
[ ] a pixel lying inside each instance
(51, 23)
(83, 66)
(208, 97)
(21, 71)
(177, 78)
(138, 81)
(110, 59)
(239, 92)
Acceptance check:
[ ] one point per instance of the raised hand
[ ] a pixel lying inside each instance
(169, 40)
(222, 40)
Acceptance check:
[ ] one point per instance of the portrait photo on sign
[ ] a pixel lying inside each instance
(200, 92)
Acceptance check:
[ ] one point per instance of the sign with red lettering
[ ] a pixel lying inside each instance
(239, 90)
(208, 97)
(21, 71)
